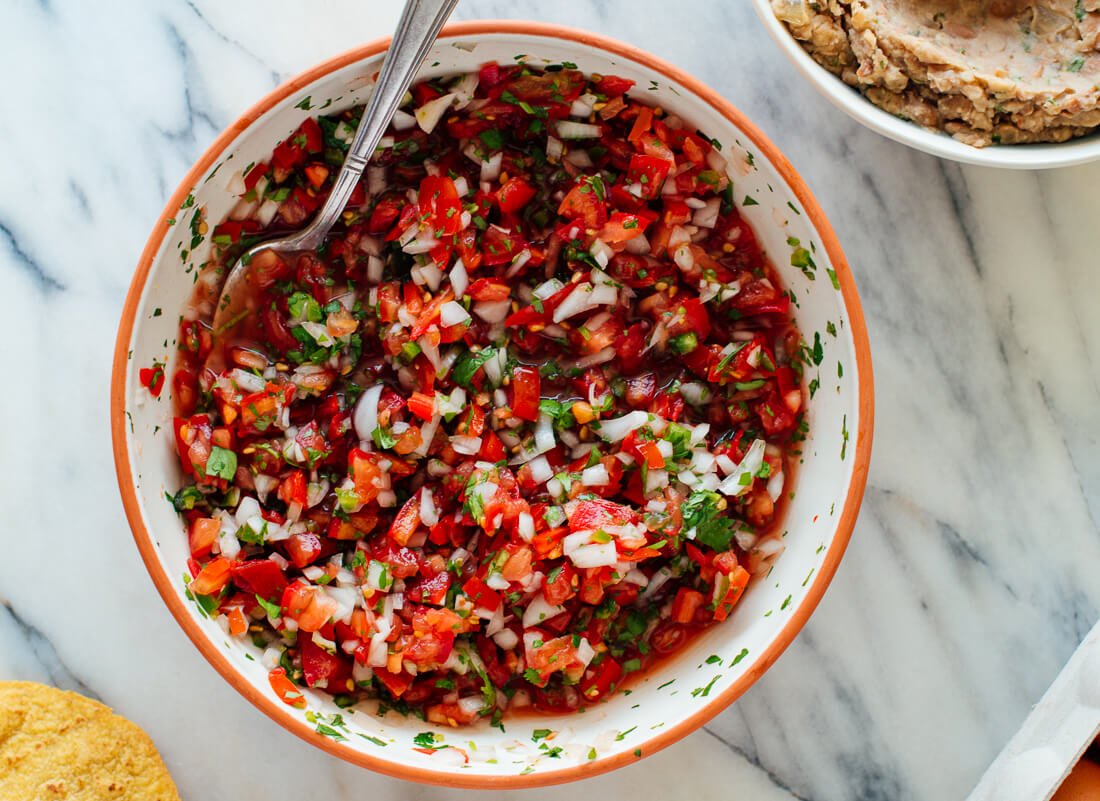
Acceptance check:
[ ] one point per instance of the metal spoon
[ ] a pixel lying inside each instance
(416, 32)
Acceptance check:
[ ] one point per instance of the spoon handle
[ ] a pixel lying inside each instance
(416, 32)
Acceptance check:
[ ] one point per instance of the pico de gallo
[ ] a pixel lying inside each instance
(519, 428)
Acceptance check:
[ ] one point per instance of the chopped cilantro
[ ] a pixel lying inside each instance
(700, 513)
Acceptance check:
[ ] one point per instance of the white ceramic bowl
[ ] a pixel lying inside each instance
(679, 696)
(847, 99)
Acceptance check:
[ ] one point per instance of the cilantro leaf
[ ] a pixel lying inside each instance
(469, 363)
(701, 513)
(221, 463)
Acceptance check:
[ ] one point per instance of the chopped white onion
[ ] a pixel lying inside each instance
(579, 158)
(427, 434)
(595, 476)
(568, 129)
(267, 211)
(655, 480)
(635, 576)
(683, 257)
(695, 392)
(541, 471)
(403, 121)
(583, 106)
(248, 508)
(453, 313)
(592, 359)
(429, 514)
(464, 88)
(518, 263)
(365, 416)
(490, 170)
(265, 485)
(467, 446)
(775, 486)
(544, 433)
(597, 554)
(493, 311)
(548, 288)
(460, 279)
(375, 266)
(739, 481)
(707, 216)
(575, 302)
(584, 652)
(554, 149)
(526, 526)
(638, 245)
(617, 428)
(601, 252)
(539, 610)
(378, 651)
(430, 350)
(317, 492)
(376, 180)
(656, 581)
(429, 114)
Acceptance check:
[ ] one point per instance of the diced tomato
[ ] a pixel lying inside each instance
(395, 683)
(260, 577)
(489, 289)
(492, 448)
(514, 194)
(622, 227)
(287, 691)
(775, 415)
(561, 585)
(324, 669)
(651, 454)
(152, 378)
(238, 623)
(593, 514)
(584, 203)
(254, 174)
(293, 488)
(385, 213)
(729, 587)
(481, 594)
(613, 85)
(489, 74)
(602, 679)
(202, 534)
(685, 603)
(430, 315)
(648, 174)
(407, 521)
(471, 422)
(303, 549)
(499, 246)
(439, 205)
(553, 655)
(561, 86)
(212, 578)
(526, 389)
(422, 405)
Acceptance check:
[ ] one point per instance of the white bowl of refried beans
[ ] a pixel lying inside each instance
(1002, 83)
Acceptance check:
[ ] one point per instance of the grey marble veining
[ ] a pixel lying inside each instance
(973, 571)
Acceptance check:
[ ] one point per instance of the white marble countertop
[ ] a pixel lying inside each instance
(972, 573)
